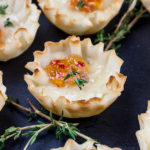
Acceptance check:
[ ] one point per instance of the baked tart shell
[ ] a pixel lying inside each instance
(3, 96)
(76, 22)
(16, 39)
(37, 83)
(143, 135)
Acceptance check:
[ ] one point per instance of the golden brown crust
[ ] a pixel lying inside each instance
(3, 96)
(15, 40)
(68, 20)
(143, 135)
(39, 86)
(72, 145)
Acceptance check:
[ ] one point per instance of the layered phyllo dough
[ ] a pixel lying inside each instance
(75, 77)
(3, 96)
(143, 135)
(18, 27)
(72, 145)
(80, 17)
(146, 3)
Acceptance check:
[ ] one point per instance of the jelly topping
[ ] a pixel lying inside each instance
(0, 35)
(86, 5)
(58, 69)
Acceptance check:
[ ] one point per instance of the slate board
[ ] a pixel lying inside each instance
(114, 127)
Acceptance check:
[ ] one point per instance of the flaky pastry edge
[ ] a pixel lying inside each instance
(143, 135)
(88, 145)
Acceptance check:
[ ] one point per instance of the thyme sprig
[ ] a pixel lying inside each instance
(79, 82)
(8, 23)
(133, 14)
(15, 132)
(62, 128)
(3, 9)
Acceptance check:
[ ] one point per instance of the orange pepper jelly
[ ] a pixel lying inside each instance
(58, 69)
(0, 35)
(86, 5)
(1, 38)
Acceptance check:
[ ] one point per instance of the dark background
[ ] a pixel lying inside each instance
(116, 126)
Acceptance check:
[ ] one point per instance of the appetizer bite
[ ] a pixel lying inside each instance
(3, 96)
(143, 135)
(18, 27)
(72, 145)
(75, 77)
(146, 3)
(80, 17)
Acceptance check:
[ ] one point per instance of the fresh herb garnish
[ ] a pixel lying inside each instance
(62, 127)
(78, 81)
(80, 4)
(133, 14)
(8, 23)
(3, 9)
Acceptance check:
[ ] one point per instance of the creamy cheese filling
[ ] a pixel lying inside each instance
(95, 88)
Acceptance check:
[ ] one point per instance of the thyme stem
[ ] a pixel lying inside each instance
(19, 106)
(55, 123)
(123, 32)
(131, 6)
(137, 18)
(42, 129)
(34, 109)
(134, 12)
(10, 136)
(37, 111)
(32, 126)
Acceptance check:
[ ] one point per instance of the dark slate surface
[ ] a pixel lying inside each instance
(114, 127)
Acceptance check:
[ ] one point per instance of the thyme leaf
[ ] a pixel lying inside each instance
(2, 141)
(8, 23)
(31, 116)
(17, 135)
(80, 4)
(40, 122)
(51, 117)
(61, 117)
(3, 9)
(9, 131)
(67, 76)
(31, 132)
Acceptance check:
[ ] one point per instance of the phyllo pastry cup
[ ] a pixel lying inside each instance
(143, 135)
(18, 27)
(80, 17)
(72, 145)
(100, 70)
(3, 96)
